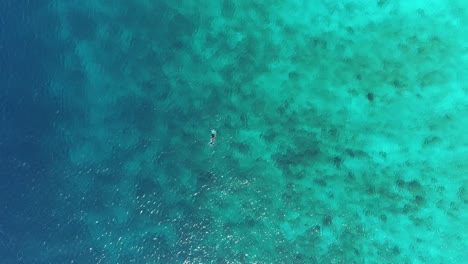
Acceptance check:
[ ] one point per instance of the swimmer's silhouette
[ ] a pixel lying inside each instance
(213, 137)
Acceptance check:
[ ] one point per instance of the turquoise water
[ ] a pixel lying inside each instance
(341, 133)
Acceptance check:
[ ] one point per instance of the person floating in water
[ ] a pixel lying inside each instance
(213, 137)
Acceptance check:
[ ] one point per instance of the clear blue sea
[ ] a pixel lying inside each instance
(341, 131)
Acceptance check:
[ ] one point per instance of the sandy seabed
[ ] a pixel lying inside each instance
(341, 130)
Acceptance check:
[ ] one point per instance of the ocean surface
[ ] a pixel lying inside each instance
(341, 131)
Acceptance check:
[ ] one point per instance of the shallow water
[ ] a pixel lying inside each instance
(341, 132)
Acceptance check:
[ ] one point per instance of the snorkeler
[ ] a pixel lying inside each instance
(213, 137)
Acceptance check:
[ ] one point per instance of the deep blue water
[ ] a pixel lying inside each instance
(28, 143)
